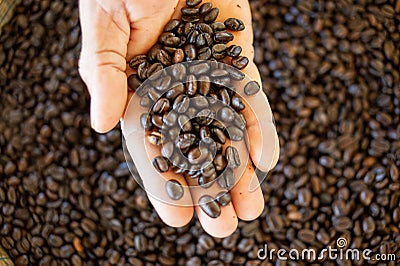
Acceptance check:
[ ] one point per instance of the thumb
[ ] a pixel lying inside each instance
(105, 34)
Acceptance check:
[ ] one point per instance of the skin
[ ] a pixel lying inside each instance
(115, 31)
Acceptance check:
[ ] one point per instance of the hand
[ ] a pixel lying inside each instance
(115, 32)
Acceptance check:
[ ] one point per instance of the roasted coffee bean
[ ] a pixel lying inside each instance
(164, 58)
(152, 53)
(207, 181)
(178, 57)
(234, 133)
(133, 82)
(224, 96)
(204, 85)
(190, 52)
(178, 72)
(226, 114)
(232, 157)
(237, 103)
(204, 28)
(174, 189)
(191, 85)
(240, 62)
(136, 61)
(208, 170)
(169, 119)
(169, 39)
(176, 90)
(199, 69)
(220, 162)
(181, 104)
(199, 102)
(218, 51)
(145, 120)
(211, 15)
(154, 71)
(205, 117)
(167, 149)
(234, 24)
(219, 135)
(184, 123)
(161, 105)
(191, 19)
(157, 120)
(205, 8)
(233, 51)
(223, 37)
(209, 206)
(204, 53)
(197, 155)
(192, 37)
(189, 11)
(218, 26)
(186, 140)
(223, 198)
(203, 39)
(192, 3)
(161, 164)
(142, 70)
(172, 25)
(251, 88)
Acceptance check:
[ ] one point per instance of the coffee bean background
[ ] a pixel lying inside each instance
(331, 72)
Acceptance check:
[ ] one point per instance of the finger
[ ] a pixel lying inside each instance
(264, 145)
(148, 18)
(222, 226)
(172, 212)
(242, 194)
(105, 34)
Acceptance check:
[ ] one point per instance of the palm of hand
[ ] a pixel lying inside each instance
(115, 31)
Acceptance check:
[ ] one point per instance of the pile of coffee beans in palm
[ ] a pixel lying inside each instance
(194, 107)
(332, 69)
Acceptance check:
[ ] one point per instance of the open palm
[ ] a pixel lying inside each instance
(115, 31)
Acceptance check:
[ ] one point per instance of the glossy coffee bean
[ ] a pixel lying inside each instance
(251, 88)
(234, 50)
(209, 206)
(234, 24)
(232, 157)
(205, 8)
(174, 189)
(211, 15)
(223, 37)
(223, 198)
(160, 164)
(240, 62)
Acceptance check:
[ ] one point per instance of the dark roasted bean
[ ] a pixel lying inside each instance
(172, 25)
(223, 37)
(218, 26)
(232, 157)
(223, 198)
(234, 133)
(209, 206)
(190, 52)
(204, 53)
(136, 61)
(211, 15)
(240, 62)
(205, 8)
(174, 189)
(145, 120)
(161, 164)
(234, 24)
(233, 50)
(251, 88)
